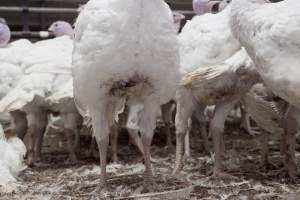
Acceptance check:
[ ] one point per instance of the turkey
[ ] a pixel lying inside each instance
(4, 33)
(11, 55)
(61, 28)
(10, 74)
(166, 113)
(20, 121)
(201, 7)
(206, 40)
(46, 66)
(143, 74)
(62, 101)
(222, 85)
(274, 45)
(199, 40)
(11, 160)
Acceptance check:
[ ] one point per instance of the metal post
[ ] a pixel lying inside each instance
(25, 15)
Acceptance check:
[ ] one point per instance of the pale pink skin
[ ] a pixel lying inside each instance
(178, 17)
(61, 28)
(207, 6)
(4, 33)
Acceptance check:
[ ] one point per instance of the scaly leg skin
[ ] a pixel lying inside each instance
(179, 153)
(291, 125)
(102, 130)
(134, 135)
(187, 148)
(282, 144)
(136, 139)
(39, 144)
(70, 136)
(167, 110)
(200, 117)
(20, 122)
(185, 106)
(31, 132)
(114, 143)
(217, 128)
(205, 138)
(265, 162)
(167, 129)
(71, 133)
(147, 124)
(92, 149)
(41, 121)
(103, 146)
(148, 177)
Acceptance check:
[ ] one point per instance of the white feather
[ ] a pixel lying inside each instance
(11, 158)
(272, 42)
(46, 67)
(116, 40)
(206, 40)
(15, 51)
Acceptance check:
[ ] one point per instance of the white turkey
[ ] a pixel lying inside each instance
(62, 101)
(166, 113)
(10, 74)
(11, 55)
(274, 45)
(125, 51)
(4, 33)
(201, 7)
(11, 160)
(61, 28)
(205, 41)
(222, 85)
(46, 66)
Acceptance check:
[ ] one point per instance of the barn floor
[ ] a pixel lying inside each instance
(56, 180)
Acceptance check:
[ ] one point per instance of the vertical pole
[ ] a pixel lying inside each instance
(43, 25)
(25, 16)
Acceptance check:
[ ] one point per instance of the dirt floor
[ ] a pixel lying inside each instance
(56, 180)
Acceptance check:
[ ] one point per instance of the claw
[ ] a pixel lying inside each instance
(149, 186)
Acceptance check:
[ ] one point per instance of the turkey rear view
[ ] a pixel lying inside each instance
(126, 52)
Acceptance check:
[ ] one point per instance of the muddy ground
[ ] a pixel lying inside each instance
(55, 180)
